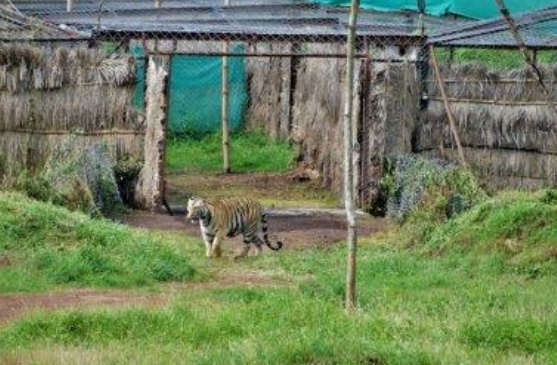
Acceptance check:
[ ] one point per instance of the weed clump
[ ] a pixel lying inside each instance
(414, 182)
(82, 178)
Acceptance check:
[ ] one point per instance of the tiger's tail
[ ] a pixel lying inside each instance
(278, 244)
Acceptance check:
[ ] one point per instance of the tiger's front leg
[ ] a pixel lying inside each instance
(216, 250)
(208, 239)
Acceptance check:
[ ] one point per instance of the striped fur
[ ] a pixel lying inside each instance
(229, 217)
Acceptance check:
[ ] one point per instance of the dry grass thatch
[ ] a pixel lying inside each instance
(508, 169)
(493, 110)
(24, 68)
(48, 94)
(504, 120)
(270, 85)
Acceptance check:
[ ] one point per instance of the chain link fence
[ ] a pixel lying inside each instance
(478, 92)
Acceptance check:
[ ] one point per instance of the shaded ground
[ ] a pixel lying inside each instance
(272, 189)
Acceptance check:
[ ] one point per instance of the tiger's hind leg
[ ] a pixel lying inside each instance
(245, 250)
(249, 238)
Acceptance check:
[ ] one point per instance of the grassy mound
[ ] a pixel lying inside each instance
(520, 225)
(48, 245)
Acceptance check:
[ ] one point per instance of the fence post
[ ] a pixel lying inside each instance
(158, 3)
(350, 300)
(150, 187)
(225, 94)
(69, 5)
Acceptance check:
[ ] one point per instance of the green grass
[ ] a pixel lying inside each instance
(473, 302)
(413, 309)
(522, 226)
(48, 245)
(494, 58)
(250, 152)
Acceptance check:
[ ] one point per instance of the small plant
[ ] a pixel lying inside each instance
(83, 178)
(126, 172)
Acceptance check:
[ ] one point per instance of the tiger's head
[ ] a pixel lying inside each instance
(196, 209)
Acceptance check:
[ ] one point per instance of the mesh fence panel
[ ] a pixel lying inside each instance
(286, 76)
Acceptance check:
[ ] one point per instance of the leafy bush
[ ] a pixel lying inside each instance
(81, 178)
(417, 183)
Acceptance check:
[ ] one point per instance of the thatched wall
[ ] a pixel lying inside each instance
(507, 128)
(301, 98)
(270, 84)
(48, 94)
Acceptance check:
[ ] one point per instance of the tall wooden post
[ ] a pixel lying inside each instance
(158, 3)
(225, 94)
(350, 300)
(69, 5)
(150, 189)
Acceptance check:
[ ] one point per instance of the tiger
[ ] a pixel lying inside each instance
(230, 217)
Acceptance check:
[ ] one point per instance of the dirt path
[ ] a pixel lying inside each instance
(13, 306)
(301, 232)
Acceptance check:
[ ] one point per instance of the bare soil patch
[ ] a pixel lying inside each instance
(13, 306)
(285, 189)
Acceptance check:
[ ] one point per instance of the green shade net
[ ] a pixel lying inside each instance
(477, 9)
(195, 92)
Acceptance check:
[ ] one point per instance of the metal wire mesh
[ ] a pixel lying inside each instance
(287, 62)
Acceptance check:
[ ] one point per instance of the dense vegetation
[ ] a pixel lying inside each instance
(480, 288)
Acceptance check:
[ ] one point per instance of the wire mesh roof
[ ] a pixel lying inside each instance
(209, 19)
(538, 30)
(253, 20)
(17, 26)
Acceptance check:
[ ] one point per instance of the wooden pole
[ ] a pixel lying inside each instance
(513, 29)
(69, 5)
(158, 4)
(452, 123)
(350, 300)
(225, 116)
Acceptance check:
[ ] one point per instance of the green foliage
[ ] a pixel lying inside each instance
(523, 334)
(494, 58)
(520, 225)
(83, 177)
(49, 245)
(417, 185)
(413, 309)
(252, 151)
(126, 172)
